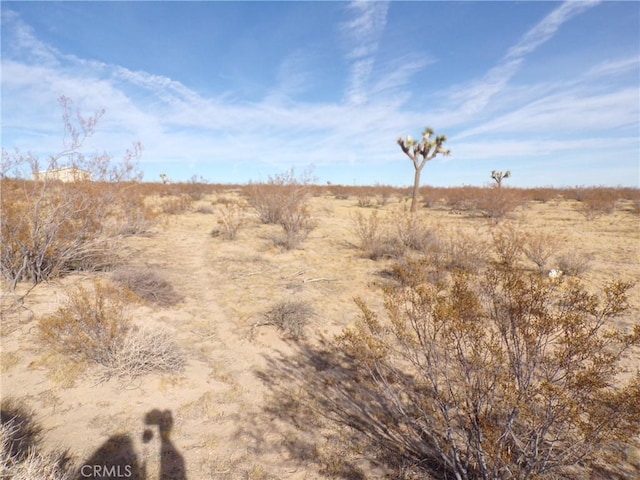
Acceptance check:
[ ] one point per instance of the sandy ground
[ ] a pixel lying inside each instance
(220, 428)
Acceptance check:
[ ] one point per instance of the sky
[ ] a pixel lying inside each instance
(234, 92)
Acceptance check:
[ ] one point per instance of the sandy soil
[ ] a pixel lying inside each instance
(220, 428)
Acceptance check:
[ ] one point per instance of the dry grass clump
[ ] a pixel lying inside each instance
(147, 284)
(94, 326)
(176, 204)
(461, 250)
(289, 316)
(375, 239)
(20, 456)
(230, 220)
(144, 351)
(414, 231)
(540, 248)
(574, 263)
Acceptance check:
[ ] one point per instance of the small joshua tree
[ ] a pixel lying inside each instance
(499, 176)
(420, 153)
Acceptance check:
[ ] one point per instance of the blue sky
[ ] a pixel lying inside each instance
(238, 91)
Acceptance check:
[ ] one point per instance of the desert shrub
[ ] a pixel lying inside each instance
(144, 351)
(413, 231)
(496, 203)
(296, 225)
(375, 240)
(148, 284)
(595, 202)
(20, 455)
(464, 251)
(462, 198)
(539, 248)
(504, 375)
(542, 194)
(176, 204)
(230, 221)
(91, 324)
(365, 201)
(508, 242)
(574, 263)
(50, 227)
(282, 200)
(133, 215)
(204, 209)
(290, 317)
(94, 325)
(281, 194)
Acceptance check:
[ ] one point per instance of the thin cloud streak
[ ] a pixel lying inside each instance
(548, 27)
(474, 97)
(363, 34)
(177, 123)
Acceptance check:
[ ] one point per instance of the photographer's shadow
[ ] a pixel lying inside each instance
(117, 458)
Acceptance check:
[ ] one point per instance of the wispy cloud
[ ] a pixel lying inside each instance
(547, 28)
(487, 118)
(473, 97)
(363, 33)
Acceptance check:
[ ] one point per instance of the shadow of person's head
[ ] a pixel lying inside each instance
(162, 418)
(172, 465)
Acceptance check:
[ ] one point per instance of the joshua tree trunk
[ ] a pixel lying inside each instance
(427, 149)
(416, 189)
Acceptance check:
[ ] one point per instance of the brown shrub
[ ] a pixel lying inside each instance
(91, 324)
(574, 263)
(280, 195)
(176, 204)
(464, 251)
(501, 373)
(230, 220)
(94, 325)
(49, 229)
(539, 248)
(49, 226)
(414, 231)
(496, 203)
(148, 284)
(374, 236)
(289, 316)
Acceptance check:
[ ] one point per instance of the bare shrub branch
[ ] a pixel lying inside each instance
(144, 351)
(51, 225)
(539, 248)
(20, 454)
(290, 317)
(231, 220)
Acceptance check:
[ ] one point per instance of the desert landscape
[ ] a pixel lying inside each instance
(236, 306)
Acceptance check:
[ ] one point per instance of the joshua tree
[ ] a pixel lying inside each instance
(420, 153)
(499, 176)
